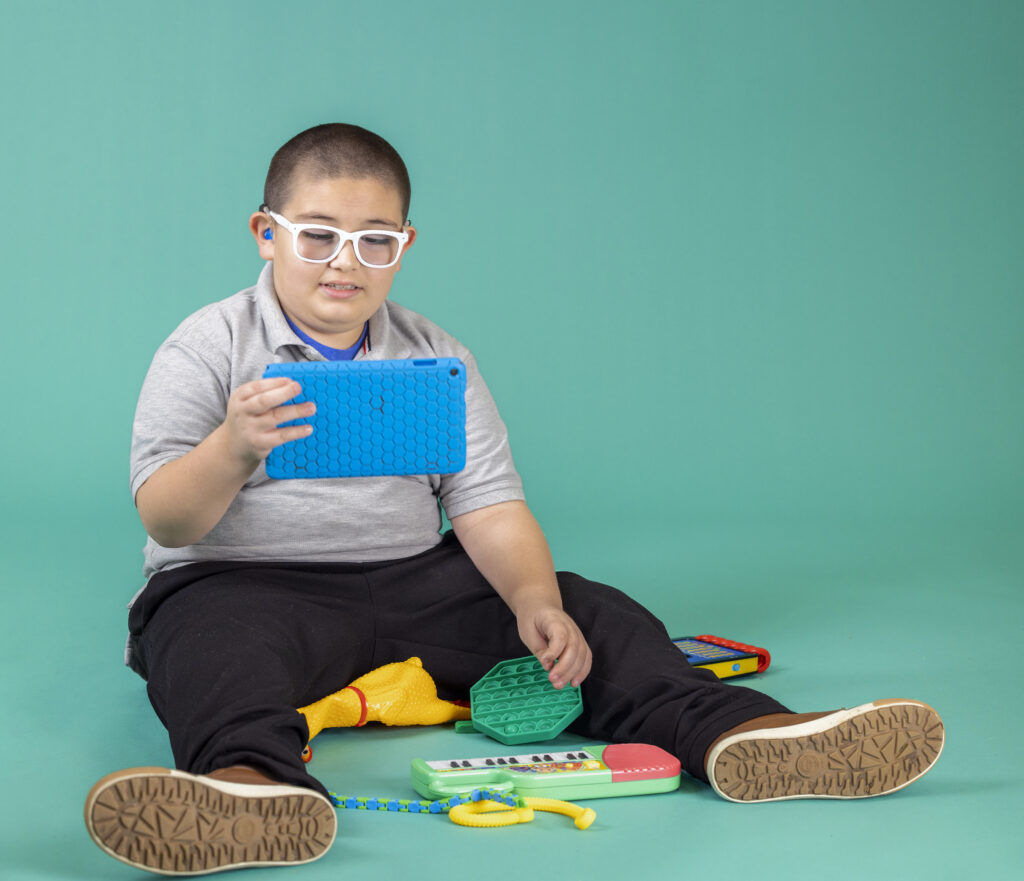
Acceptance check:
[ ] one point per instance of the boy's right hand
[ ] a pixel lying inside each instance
(183, 500)
(255, 410)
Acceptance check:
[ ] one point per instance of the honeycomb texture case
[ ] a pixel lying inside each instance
(516, 703)
(375, 418)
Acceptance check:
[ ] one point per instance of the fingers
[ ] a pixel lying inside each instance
(573, 664)
(256, 411)
(262, 395)
(560, 647)
(290, 433)
(555, 647)
(292, 411)
(264, 398)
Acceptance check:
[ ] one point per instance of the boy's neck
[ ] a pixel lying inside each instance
(330, 350)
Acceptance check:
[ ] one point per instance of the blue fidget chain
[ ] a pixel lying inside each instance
(415, 806)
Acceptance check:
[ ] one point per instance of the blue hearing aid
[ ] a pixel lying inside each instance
(267, 234)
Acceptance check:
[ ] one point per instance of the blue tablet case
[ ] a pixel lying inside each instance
(375, 418)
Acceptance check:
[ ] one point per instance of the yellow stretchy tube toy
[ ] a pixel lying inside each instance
(402, 693)
(486, 814)
(492, 813)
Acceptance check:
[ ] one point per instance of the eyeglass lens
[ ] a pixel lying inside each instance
(374, 249)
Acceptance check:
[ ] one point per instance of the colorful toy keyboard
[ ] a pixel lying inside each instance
(405, 416)
(723, 657)
(587, 772)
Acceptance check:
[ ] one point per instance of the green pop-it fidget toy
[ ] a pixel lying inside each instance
(516, 703)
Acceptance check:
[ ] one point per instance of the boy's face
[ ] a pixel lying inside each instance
(331, 301)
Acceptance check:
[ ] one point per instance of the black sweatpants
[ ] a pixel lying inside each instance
(230, 650)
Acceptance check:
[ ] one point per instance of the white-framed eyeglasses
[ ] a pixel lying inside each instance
(375, 248)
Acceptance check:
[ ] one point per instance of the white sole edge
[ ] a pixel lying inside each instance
(815, 726)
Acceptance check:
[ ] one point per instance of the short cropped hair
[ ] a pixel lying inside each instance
(335, 149)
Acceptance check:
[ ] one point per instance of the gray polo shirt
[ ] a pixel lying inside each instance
(184, 398)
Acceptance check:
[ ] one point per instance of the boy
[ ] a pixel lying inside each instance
(264, 596)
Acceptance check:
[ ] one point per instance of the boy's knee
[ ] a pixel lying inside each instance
(582, 597)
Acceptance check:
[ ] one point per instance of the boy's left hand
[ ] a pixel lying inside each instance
(553, 636)
(507, 546)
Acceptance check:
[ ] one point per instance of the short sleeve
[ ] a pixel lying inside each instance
(490, 475)
(183, 399)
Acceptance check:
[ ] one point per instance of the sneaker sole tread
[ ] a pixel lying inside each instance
(174, 823)
(874, 749)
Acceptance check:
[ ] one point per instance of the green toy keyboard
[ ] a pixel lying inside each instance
(599, 771)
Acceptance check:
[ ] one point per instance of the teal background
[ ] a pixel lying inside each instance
(745, 280)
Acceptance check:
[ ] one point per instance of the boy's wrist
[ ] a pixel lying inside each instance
(530, 600)
(238, 461)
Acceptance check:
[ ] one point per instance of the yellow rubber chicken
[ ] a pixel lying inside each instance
(396, 694)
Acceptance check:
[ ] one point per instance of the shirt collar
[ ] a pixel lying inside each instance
(279, 334)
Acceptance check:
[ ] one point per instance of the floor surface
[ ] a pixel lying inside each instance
(849, 614)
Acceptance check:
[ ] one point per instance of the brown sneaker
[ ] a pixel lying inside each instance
(873, 749)
(175, 823)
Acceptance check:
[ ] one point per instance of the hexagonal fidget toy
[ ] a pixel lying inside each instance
(373, 418)
(516, 703)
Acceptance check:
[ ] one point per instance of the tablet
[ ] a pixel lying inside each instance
(375, 418)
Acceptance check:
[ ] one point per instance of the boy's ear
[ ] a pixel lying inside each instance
(412, 238)
(259, 225)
